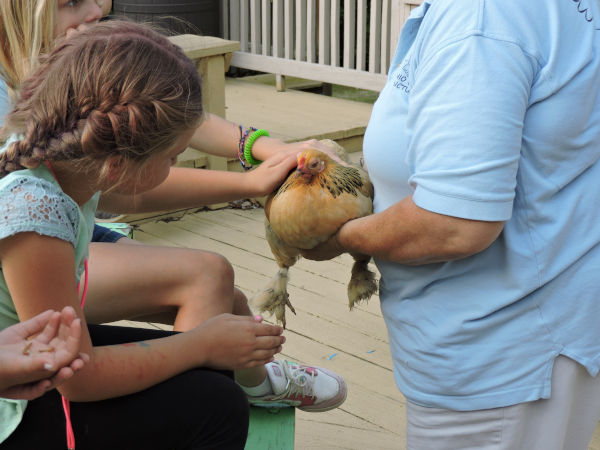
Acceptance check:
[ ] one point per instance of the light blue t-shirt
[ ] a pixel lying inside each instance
(492, 112)
(32, 200)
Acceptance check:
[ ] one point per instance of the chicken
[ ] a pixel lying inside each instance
(308, 208)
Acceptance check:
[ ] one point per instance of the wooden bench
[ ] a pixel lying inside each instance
(271, 429)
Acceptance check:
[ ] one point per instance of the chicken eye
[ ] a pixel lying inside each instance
(314, 164)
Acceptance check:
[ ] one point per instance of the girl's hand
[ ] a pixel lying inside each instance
(238, 342)
(35, 389)
(39, 354)
(269, 175)
(74, 31)
(266, 147)
(297, 147)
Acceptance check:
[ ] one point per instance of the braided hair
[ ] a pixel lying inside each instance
(117, 88)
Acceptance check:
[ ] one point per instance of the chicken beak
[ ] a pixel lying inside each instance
(302, 171)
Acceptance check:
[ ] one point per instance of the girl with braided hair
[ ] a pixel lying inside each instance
(126, 282)
(95, 117)
(108, 110)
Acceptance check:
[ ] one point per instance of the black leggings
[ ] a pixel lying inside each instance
(198, 409)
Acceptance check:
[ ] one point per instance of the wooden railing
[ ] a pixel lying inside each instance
(347, 42)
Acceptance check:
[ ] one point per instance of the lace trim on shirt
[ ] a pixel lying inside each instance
(34, 204)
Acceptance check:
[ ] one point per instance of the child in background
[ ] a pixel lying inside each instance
(109, 109)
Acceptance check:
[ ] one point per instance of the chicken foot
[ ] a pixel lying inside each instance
(274, 297)
(363, 283)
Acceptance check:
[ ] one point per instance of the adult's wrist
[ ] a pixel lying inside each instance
(337, 244)
(344, 237)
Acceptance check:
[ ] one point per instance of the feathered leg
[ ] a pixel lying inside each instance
(363, 283)
(274, 297)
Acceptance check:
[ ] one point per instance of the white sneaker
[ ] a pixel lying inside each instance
(308, 388)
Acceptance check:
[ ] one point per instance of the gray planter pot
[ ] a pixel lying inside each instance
(178, 16)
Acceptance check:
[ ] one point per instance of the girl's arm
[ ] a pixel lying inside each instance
(191, 188)
(39, 271)
(221, 137)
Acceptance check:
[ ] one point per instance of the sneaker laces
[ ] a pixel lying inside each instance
(299, 381)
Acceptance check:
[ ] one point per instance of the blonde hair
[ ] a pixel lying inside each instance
(116, 89)
(26, 31)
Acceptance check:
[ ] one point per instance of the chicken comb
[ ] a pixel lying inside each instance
(301, 159)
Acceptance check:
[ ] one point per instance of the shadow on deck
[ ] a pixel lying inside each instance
(324, 332)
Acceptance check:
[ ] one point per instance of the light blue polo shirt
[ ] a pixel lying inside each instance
(492, 112)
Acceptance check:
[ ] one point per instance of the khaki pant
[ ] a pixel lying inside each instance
(566, 421)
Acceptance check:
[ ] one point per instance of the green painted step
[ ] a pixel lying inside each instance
(271, 429)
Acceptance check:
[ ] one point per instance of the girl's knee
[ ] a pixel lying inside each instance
(213, 266)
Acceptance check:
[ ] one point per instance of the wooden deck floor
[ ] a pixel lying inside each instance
(324, 332)
(294, 115)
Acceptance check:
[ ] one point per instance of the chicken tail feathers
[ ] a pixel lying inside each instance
(273, 298)
(363, 283)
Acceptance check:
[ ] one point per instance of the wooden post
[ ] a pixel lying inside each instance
(280, 82)
(212, 56)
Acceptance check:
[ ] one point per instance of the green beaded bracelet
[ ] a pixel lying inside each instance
(248, 147)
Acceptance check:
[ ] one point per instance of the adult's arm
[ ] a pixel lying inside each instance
(407, 234)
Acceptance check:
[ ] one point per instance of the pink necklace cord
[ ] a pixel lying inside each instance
(65, 402)
(70, 434)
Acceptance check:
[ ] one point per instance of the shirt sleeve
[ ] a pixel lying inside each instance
(465, 121)
(29, 204)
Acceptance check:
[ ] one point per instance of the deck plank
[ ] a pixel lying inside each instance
(324, 332)
(290, 115)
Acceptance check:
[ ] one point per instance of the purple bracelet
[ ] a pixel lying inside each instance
(242, 144)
